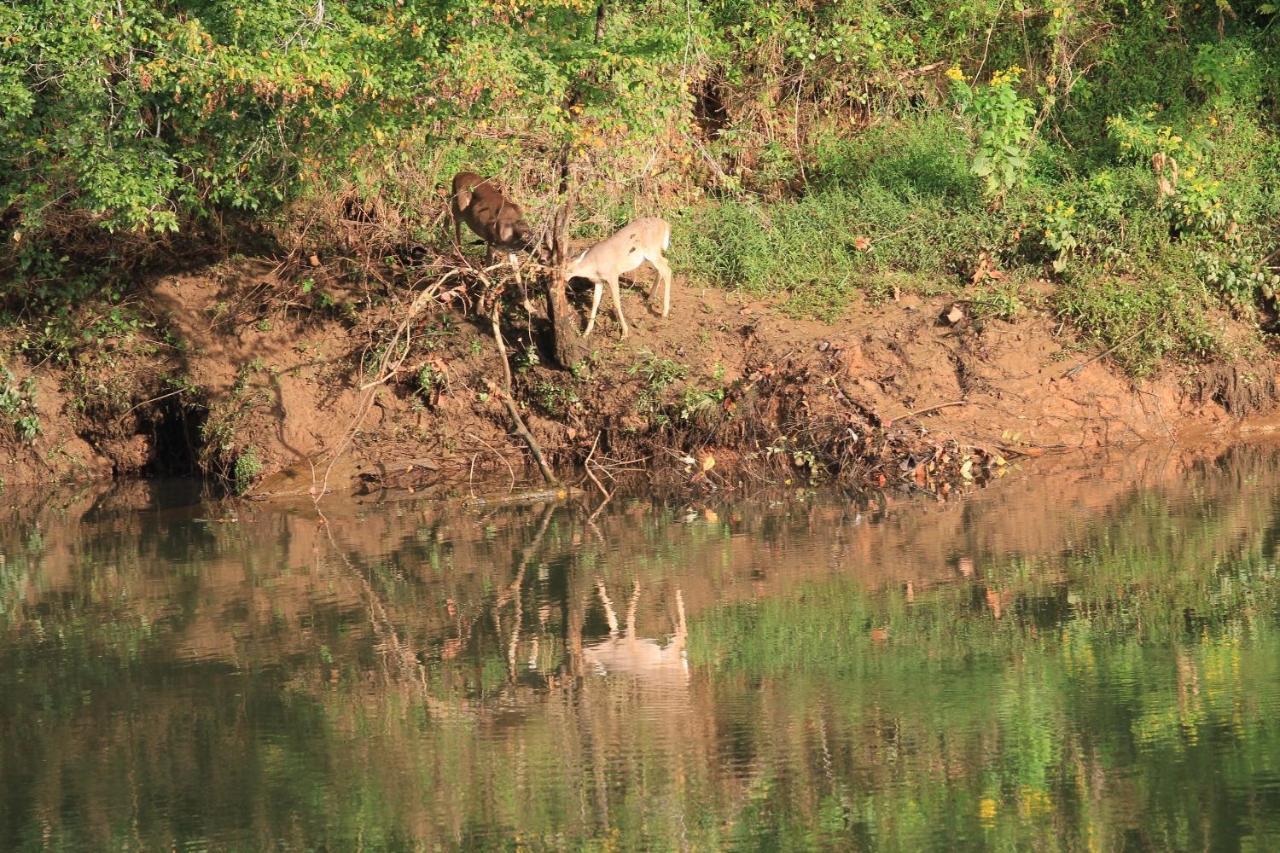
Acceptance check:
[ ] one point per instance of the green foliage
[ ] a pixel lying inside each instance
(430, 383)
(1140, 321)
(697, 401)
(1003, 301)
(658, 374)
(1059, 233)
(1002, 119)
(802, 148)
(899, 200)
(146, 116)
(18, 405)
(557, 399)
(247, 469)
(224, 455)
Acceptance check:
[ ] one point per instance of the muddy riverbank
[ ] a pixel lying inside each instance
(269, 387)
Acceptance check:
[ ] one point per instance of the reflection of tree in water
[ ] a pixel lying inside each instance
(1060, 660)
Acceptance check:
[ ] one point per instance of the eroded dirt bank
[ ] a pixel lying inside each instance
(271, 388)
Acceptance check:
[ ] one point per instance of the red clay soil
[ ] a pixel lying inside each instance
(888, 392)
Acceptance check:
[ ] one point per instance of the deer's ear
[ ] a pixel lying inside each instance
(504, 232)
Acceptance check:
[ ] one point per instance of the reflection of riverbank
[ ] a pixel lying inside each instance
(660, 676)
(246, 573)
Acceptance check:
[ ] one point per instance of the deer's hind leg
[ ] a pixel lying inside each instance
(617, 304)
(664, 279)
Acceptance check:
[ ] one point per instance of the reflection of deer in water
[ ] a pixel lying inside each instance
(629, 654)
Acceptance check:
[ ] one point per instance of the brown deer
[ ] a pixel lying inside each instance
(642, 240)
(497, 220)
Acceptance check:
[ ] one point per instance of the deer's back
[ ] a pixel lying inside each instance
(481, 204)
(488, 204)
(645, 232)
(464, 181)
(627, 248)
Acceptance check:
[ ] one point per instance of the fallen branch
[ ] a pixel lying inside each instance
(148, 402)
(504, 394)
(523, 431)
(501, 458)
(1106, 352)
(531, 497)
(909, 415)
(919, 72)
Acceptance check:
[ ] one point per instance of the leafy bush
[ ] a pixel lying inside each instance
(1003, 119)
(247, 469)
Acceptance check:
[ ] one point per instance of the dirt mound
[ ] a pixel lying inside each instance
(266, 390)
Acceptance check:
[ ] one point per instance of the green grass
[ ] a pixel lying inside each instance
(898, 209)
(899, 200)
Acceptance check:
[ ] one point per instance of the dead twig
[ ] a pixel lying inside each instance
(152, 400)
(523, 431)
(587, 467)
(501, 458)
(891, 421)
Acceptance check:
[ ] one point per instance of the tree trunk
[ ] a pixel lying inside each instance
(569, 349)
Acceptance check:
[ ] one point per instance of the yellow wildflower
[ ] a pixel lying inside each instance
(954, 73)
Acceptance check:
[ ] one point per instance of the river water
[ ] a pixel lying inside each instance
(1086, 657)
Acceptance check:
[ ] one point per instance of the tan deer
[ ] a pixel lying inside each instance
(638, 657)
(492, 216)
(642, 240)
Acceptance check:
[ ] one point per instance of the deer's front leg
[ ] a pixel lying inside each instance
(457, 232)
(595, 306)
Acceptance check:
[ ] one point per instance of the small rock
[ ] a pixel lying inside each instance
(314, 260)
(953, 315)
